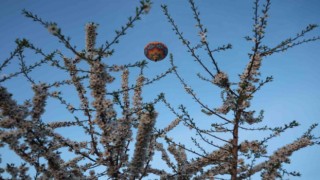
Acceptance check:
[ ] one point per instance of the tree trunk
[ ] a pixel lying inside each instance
(235, 147)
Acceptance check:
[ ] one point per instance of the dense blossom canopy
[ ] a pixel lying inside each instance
(120, 135)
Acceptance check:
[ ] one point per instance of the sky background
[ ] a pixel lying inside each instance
(294, 94)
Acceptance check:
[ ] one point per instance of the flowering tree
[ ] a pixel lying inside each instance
(113, 120)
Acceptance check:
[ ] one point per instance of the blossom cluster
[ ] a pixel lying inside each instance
(91, 36)
(221, 80)
(143, 140)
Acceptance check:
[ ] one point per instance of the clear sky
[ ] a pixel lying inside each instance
(294, 94)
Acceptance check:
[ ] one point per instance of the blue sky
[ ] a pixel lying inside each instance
(294, 94)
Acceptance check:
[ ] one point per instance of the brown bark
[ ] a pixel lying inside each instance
(235, 146)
